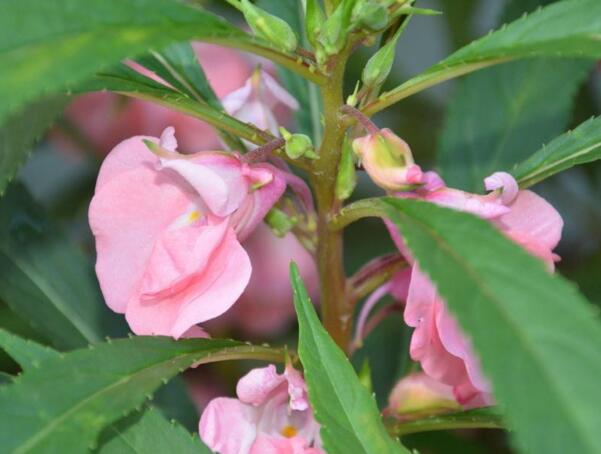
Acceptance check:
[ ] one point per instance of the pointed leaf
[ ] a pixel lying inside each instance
(27, 353)
(569, 28)
(46, 279)
(579, 146)
(349, 418)
(71, 399)
(537, 338)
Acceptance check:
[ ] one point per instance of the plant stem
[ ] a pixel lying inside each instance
(364, 208)
(374, 274)
(483, 418)
(336, 309)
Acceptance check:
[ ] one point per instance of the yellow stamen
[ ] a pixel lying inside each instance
(194, 216)
(289, 431)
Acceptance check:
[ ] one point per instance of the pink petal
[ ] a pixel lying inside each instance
(168, 140)
(228, 426)
(127, 215)
(506, 183)
(204, 297)
(258, 385)
(532, 215)
(279, 94)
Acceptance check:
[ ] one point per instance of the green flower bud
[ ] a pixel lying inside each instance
(335, 30)
(346, 180)
(379, 65)
(279, 222)
(270, 27)
(298, 145)
(314, 20)
(371, 15)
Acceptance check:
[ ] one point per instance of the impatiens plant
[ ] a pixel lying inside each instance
(234, 156)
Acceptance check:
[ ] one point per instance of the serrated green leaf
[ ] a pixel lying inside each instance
(497, 116)
(46, 279)
(537, 338)
(71, 399)
(27, 353)
(51, 46)
(349, 417)
(570, 28)
(149, 432)
(579, 146)
(21, 130)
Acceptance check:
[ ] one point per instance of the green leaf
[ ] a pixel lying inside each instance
(51, 46)
(126, 81)
(537, 338)
(70, 399)
(149, 432)
(5, 378)
(579, 146)
(349, 417)
(570, 28)
(21, 130)
(497, 116)
(46, 279)
(27, 353)
(179, 66)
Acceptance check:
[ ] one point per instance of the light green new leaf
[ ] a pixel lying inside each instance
(27, 353)
(68, 401)
(149, 432)
(46, 279)
(497, 116)
(50, 46)
(349, 418)
(579, 146)
(20, 131)
(570, 28)
(537, 338)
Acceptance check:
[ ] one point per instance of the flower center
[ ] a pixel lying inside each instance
(289, 431)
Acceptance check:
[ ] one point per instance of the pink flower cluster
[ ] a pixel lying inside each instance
(271, 415)
(444, 352)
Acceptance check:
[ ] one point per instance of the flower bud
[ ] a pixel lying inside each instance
(314, 21)
(379, 65)
(388, 160)
(419, 395)
(297, 145)
(371, 15)
(270, 27)
(346, 180)
(336, 28)
(279, 222)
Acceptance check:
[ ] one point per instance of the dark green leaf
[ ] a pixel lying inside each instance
(537, 337)
(46, 279)
(27, 353)
(497, 116)
(51, 46)
(5, 378)
(71, 399)
(20, 131)
(570, 28)
(349, 417)
(579, 146)
(149, 432)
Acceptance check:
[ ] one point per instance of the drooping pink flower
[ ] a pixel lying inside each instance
(168, 232)
(271, 415)
(438, 343)
(388, 161)
(258, 101)
(419, 394)
(266, 306)
(107, 118)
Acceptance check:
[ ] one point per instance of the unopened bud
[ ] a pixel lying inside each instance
(379, 65)
(371, 15)
(270, 27)
(336, 28)
(279, 222)
(314, 21)
(417, 395)
(346, 180)
(388, 160)
(298, 145)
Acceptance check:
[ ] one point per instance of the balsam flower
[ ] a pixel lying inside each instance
(260, 101)
(168, 232)
(438, 343)
(271, 415)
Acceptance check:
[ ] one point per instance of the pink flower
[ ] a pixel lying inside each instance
(417, 395)
(438, 343)
(271, 415)
(168, 230)
(266, 306)
(258, 101)
(107, 118)
(388, 160)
